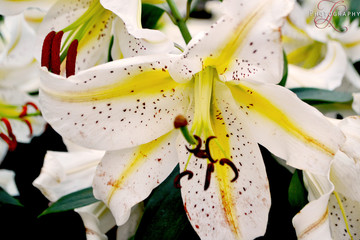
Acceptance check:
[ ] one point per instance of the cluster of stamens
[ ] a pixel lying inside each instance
(203, 154)
(10, 137)
(50, 56)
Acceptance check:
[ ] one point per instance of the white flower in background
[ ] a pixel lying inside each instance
(7, 182)
(18, 66)
(320, 57)
(14, 7)
(334, 208)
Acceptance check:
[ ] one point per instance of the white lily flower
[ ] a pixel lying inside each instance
(320, 57)
(67, 172)
(7, 182)
(14, 7)
(224, 83)
(18, 66)
(333, 211)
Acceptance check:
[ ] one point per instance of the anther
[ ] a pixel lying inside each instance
(207, 149)
(232, 165)
(209, 170)
(179, 176)
(25, 108)
(55, 53)
(71, 58)
(46, 50)
(11, 139)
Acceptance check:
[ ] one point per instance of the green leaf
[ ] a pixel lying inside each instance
(297, 193)
(354, 8)
(285, 71)
(6, 198)
(164, 214)
(73, 200)
(150, 15)
(317, 95)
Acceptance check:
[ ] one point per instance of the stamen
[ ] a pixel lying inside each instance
(29, 126)
(11, 139)
(232, 165)
(71, 58)
(209, 170)
(55, 53)
(46, 50)
(197, 150)
(178, 177)
(207, 149)
(181, 122)
(24, 108)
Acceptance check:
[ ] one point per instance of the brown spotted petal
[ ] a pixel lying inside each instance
(116, 105)
(126, 177)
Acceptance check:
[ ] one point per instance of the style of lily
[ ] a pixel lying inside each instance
(20, 119)
(224, 83)
(333, 211)
(320, 57)
(85, 29)
(18, 66)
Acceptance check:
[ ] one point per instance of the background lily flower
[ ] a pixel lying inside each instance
(319, 57)
(7, 182)
(333, 211)
(14, 7)
(223, 82)
(18, 66)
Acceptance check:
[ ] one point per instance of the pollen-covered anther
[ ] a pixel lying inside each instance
(179, 176)
(10, 139)
(71, 58)
(202, 153)
(46, 50)
(55, 53)
(232, 165)
(24, 111)
(210, 169)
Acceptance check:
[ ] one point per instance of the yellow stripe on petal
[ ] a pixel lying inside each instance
(220, 148)
(141, 155)
(249, 98)
(230, 49)
(147, 82)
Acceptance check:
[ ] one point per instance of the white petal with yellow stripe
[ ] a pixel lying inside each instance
(126, 177)
(116, 105)
(13, 7)
(286, 126)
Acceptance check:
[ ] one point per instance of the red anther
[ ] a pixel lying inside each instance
(71, 58)
(11, 139)
(55, 53)
(25, 108)
(232, 165)
(29, 126)
(46, 50)
(178, 177)
(209, 170)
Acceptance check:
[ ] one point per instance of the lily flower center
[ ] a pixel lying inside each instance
(202, 126)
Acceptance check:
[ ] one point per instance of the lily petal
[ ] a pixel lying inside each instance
(126, 177)
(97, 220)
(289, 128)
(351, 40)
(7, 182)
(103, 102)
(327, 74)
(338, 227)
(130, 13)
(243, 45)
(66, 172)
(226, 210)
(13, 7)
(312, 222)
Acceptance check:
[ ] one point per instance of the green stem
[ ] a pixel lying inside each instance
(180, 21)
